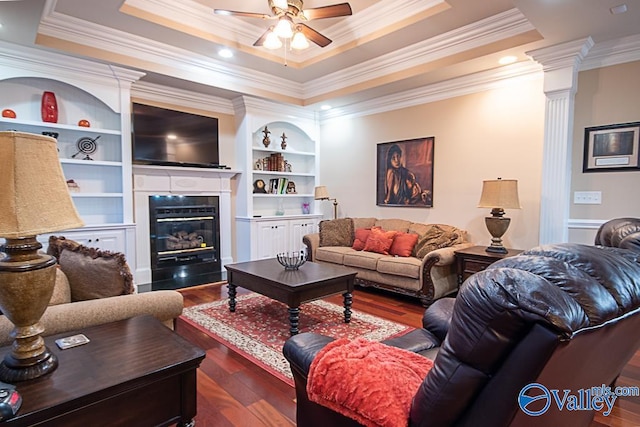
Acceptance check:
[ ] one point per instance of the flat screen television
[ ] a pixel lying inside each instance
(173, 138)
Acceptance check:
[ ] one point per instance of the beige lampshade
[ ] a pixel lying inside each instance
(321, 193)
(34, 198)
(500, 193)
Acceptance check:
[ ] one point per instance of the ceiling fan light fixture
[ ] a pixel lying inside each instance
(282, 4)
(272, 41)
(284, 28)
(299, 41)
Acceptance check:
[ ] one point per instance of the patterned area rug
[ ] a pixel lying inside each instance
(260, 326)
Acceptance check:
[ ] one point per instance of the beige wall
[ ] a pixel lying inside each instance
(605, 96)
(496, 133)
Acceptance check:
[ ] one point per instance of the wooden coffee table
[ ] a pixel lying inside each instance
(310, 282)
(133, 372)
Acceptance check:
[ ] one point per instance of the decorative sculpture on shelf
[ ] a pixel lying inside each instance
(283, 145)
(86, 146)
(266, 141)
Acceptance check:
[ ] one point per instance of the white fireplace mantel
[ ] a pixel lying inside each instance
(165, 180)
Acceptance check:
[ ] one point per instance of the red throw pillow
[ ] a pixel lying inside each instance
(379, 241)
(360, 239)
(403, 244)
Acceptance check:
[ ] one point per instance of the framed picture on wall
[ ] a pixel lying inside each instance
(611, 148)
(404, 173)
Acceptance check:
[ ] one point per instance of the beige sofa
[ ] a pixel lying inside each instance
(428, 273)
(95, 287)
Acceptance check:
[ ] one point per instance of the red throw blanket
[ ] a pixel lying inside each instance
(370, 382)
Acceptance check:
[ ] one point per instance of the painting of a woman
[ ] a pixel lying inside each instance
(405, 173)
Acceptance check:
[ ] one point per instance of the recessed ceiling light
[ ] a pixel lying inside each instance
(618, 9)
(325, 107)
(507, 60)
(225, 53)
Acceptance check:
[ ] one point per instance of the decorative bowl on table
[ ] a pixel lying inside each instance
(292, 261)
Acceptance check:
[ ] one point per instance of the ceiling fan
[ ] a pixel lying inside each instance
(289, 13)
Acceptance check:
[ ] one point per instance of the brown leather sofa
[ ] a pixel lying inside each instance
(564, 316)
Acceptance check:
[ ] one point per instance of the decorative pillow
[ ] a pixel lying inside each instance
(403, 244)
(93, 273)
(336, 232)
(360, 238)
(379, 241)
(433, 239)
(61, 291)
(58, 243)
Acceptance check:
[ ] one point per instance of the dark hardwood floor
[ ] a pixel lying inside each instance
(234, 392)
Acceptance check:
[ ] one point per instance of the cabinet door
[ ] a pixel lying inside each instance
(298, 229)
(272, 239)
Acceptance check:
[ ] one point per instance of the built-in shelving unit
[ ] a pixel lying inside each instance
(96, 93)
(269, 223)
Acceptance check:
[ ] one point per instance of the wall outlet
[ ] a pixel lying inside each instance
(587, 197)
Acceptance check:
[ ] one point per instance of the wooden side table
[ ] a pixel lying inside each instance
(476, 258)
(133, 372)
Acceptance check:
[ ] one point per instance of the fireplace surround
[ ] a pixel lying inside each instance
(157, 181)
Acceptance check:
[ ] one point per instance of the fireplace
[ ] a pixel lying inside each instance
(184, 233)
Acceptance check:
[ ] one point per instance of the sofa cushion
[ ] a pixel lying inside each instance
(360, 238)
(394, 224)
(336, 232)
(403, 244)
(333, 254)
(362, 259)
(436, 237)
(93, 273)
(400, 266)
(379, 241)
(363, 222)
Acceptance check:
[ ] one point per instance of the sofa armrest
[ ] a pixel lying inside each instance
(313, 242)
(301, 349)
(163, 305)
(444, 256)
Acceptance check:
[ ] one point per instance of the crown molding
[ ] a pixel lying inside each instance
(185, 98)
(612, 52)
(492, 29)
(479, 82)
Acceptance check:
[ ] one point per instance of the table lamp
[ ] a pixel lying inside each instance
(34, 199)
(321, 193)
(498, 194)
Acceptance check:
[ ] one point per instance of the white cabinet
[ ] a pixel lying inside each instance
(97, 158)
(273, 236)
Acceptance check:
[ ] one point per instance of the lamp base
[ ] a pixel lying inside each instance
(13, 370)
(496, 249)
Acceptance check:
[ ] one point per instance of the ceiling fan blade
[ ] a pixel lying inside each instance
(262, 38)
(313, 35)
(333, 11)
(244, 14)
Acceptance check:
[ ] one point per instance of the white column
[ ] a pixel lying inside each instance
(560, 65)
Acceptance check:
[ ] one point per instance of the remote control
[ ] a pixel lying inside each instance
(10, 401)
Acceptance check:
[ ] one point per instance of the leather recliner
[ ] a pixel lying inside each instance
(620, 233)
(564, 316)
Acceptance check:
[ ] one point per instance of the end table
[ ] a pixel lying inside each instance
(475, 258)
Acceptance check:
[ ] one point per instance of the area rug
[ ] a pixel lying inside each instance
(260, 326)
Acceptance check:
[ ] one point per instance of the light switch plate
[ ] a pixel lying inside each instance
(587, 197)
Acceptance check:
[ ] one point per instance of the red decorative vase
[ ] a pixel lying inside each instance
(49, 107)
